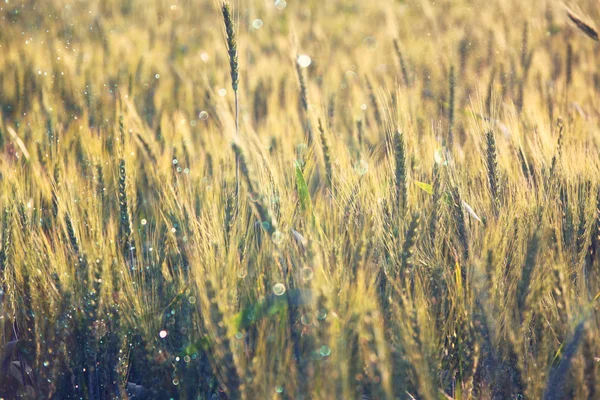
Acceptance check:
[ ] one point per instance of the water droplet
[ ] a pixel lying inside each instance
(157, 76)
(307, 274)
(239, 335)
(266, 225)
(325, 351)
(163, 334)
(187, 359)
(175, 381)
(192, 300)
(361, 167)
(321, 314)
(143, 222)
(279, 389)
(277, 237)
(257, 24)
(222, 92)
(46, 363)
(371, 42)
(173, 230)
(278, 289)
(440, 157)
(363, 107)
(281, 4)
(99, 329)
(306, 320)
(203, 115)
(204, 56)
(304, 60)
(175, 161)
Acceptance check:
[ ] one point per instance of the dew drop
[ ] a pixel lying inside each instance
(321, 314)
(371, 42)
(143, 222)
(281, 4)
(306, 320)
(203, 115)
(278, 289)
(279, 389)
(438, 156)
(222, 92)
(157, 76)
(163, 334)
(277, 237)
(253, 197)
(175, 381)
(324, 351)
(361, 167)
(307, 274)
(304, 60)
(257, 24)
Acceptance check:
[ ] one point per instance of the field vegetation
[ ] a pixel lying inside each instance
(317, 199)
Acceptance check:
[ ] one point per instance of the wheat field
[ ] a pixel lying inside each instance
(317, 199)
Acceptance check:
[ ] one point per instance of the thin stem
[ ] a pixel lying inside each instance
(237, 159)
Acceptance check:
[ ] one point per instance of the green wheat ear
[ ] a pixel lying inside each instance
(234, 70)
(491, 164)
(557, 156)
(410, 239)
(304, 103)
(459, 218)
(400, 171)
(326, 156)
(403, 67)
(452, 89)
(374, 103)
(125, 224)
(231, 44)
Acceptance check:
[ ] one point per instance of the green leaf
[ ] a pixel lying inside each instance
(425, 186)
(270, 306)
(302, 188)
